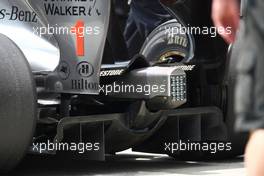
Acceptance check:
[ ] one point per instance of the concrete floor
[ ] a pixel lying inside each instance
(128, 163)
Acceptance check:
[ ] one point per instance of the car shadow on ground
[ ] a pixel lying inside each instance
(123, 164)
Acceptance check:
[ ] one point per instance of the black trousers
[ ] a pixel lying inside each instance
(249, 94)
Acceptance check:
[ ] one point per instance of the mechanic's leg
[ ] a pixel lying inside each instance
(144, 16)
(250, 87)
(254, 157)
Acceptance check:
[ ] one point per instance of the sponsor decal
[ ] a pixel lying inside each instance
(83, 84)
(78, 30)
(64, 70)
(80, 8)
(177, 40)
(185, 67)
(16, 14)
(85, 69)
(116, 72)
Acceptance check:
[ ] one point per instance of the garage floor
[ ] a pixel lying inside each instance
(128, 163)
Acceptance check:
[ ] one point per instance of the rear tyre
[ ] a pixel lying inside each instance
(17, 104)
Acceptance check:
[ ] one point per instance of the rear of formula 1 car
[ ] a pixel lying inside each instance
(63, 91)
